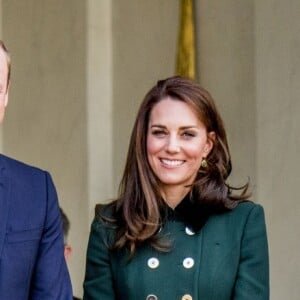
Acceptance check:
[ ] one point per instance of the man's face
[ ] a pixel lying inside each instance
(3, 84)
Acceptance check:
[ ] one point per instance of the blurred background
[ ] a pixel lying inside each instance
(81, 68)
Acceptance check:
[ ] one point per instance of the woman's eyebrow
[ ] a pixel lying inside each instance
(180, 128)
(158, 125)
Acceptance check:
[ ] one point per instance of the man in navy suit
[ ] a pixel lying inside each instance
(32, 264)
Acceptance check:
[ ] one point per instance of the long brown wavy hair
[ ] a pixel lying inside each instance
(137, 211)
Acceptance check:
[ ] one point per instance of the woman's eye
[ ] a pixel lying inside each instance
(159, 133)
(189, 134)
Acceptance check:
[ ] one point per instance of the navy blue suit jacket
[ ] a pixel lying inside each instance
(32, 264)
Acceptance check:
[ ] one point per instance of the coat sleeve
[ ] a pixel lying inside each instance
(51, 278)
(253, 273)
(98, 283)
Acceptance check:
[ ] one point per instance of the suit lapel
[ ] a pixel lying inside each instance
(4, 202)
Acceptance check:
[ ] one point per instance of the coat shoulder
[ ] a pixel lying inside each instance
(243, 215)
(107, 210)
(244, 209)
(12, 166)
(105, 217)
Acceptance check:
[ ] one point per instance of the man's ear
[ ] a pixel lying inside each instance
(6, 96)
(67, 251)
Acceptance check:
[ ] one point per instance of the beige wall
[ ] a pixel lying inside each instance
(82, 67)
(277, 33)
(99, 102)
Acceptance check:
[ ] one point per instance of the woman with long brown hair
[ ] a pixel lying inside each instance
(178, 230)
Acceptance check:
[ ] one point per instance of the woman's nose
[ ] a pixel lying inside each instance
(173, 145)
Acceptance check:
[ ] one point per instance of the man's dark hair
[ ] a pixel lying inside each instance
(65, 223)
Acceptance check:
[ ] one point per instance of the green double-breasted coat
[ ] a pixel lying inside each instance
(226, 260)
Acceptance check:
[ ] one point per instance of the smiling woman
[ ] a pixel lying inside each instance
(176, 218)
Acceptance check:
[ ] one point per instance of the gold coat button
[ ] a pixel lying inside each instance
(188, 262)
(187, 297)
(189, 231)
(151, 297)
(153, 262)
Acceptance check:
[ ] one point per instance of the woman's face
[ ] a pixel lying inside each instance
(177, 141)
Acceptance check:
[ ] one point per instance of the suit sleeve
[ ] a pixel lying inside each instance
(253, 273)
(51, 278)
(98, 283)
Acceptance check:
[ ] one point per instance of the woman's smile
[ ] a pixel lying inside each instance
(171, 162)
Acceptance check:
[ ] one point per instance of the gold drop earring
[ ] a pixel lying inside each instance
(204, 164)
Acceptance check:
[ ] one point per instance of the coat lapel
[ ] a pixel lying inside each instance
(4, 202)
(219, 258)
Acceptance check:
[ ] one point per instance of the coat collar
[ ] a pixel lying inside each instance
(3, 164)
(191, 211)
(4, 201)
(3, 177)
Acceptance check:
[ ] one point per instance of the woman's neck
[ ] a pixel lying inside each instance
(174, 195)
